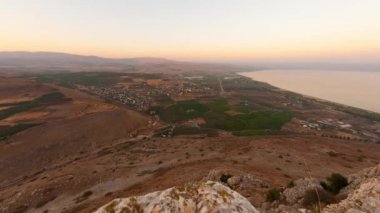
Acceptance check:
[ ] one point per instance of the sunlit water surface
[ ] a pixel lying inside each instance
(354, 88)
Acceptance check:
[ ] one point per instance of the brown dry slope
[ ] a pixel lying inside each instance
(17, 90)
(67, 129)
(138, 167)
(84, 154)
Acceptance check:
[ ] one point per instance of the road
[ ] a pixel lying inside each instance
(221, 87)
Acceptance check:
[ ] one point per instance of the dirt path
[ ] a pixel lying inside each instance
(221, 87)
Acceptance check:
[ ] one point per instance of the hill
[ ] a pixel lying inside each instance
(53, 61)
(73, 141)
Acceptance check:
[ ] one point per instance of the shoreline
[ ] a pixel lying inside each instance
(346, 103)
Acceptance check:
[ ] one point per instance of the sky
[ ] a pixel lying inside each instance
(208, 30)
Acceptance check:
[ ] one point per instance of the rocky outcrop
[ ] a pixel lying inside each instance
(363, 193)
(248, 185)
(194, 197)
(216, 194)
(364, 199)
(356, 179)
(295, 194)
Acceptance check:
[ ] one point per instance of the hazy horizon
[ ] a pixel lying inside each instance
(252, 65)
(225, 31)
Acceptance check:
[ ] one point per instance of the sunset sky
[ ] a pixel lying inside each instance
(215, 30)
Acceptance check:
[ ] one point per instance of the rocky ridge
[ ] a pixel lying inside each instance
(363, 193)
(226, 190)
(193, 197)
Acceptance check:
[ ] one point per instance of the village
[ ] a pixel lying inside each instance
(141, 94)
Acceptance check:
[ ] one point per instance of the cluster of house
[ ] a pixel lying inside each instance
(141, 96)
(335, 123)
(138, 97)
(186, 88)
(318, 125)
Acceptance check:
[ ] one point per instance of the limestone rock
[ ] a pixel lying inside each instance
(295, 194)
(363, 193)
(354, 180)
(248, 185)
(194, 197)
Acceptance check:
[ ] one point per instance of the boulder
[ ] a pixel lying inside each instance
(193, 197)
(296, 194)
(248, 185)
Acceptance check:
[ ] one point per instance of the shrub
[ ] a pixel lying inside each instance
(311, 197)
(108, 194)
(291, 184)
(324, 185)
(83, 197)
(332, 153)
(224, 178)
(87, 194)
(20, 208)
(273, 194)
(335, 183)
(45, 200)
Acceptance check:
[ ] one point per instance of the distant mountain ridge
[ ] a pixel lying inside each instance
(21, 58)
(55, 61)
(43, 61)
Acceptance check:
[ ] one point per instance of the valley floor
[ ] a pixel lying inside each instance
(78, 152)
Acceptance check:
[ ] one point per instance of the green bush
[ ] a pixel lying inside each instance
(291, 184)
(83, 197)
(87, 193)
(273, 194)
(311, 197)
(20, 209)
(335, 183)
(332, 153)
(224, 178)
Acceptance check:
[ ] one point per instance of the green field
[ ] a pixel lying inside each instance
(101, 79)
(259, 132)
(68, 79)
(214, 112)
(255, 120)
(164, 100)
(182, 110)
(218, 105)
(193, 131)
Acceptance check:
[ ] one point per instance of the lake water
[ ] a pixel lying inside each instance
(354, 88)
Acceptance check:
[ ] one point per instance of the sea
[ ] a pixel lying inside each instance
(353, 88)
